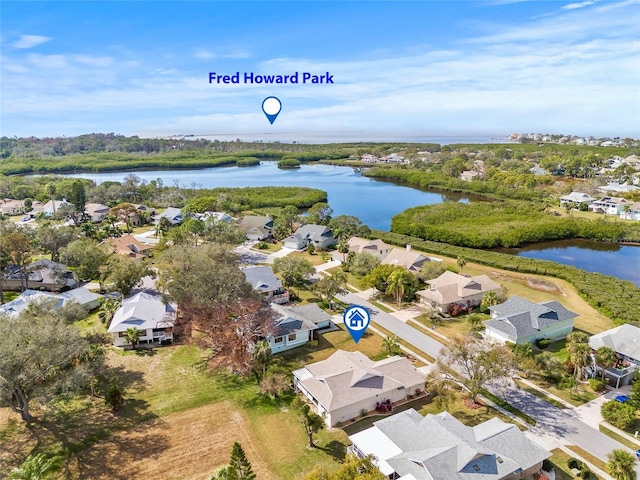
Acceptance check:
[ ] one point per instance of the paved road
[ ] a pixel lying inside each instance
(402, 330)
(563, 426)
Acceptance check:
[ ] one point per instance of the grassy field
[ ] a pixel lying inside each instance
(538, 288)
(177, 420)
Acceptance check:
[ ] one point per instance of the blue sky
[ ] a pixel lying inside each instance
(400, 68)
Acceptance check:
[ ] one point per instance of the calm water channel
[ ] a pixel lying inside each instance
(622, 261)
(349, 193)
(375, 202)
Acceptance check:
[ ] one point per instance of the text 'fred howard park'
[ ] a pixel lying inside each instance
(251, 78)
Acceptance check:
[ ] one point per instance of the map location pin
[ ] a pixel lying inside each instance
(356, 319)
(271, 107)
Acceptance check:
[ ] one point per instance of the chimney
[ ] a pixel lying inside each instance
(408, 247)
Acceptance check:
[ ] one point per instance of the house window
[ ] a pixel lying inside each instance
(292, 337)
(278, 340)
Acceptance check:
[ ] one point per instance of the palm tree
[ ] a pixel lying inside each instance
(343, 247)
(621, 465)
(390, 344)
(606, 358)
(475, 320)
(51, 191)
(461, 261)
(262, 355)
(396, 283)
(132, 336)
(580, 356)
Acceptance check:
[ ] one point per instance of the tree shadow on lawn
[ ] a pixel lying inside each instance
(336, 449)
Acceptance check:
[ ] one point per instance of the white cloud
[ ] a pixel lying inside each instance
(30, 41)
(574, 6)
(204, 54)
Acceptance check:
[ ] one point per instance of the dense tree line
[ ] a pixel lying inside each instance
(503, 224)
(615, 298)
(520, 187)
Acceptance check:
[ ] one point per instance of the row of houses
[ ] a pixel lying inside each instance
(622, 207)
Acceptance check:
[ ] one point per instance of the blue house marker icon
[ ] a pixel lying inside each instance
(356, 319)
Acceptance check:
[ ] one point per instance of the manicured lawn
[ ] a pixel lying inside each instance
(270, 247)
(579, 396)
(455, 327)
(538, 288)
(559, 460)
(8, 296)
(315, 259)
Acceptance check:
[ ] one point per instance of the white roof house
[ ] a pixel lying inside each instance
(440, 447)
(577, 197)
(625, 340)
(153, 318)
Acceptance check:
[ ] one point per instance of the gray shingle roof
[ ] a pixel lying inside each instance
(289, 321)
(518, 317)
(262, 278)
(439, 447)
(315, 232)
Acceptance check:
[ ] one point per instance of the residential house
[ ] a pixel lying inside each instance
(258, 227)
(174, 215)
(96, 211)
(129, 246)
(406, 258)
(262, 279)
(214, 217)
(521, 321)
(293, 329)
(319, 236)
(81, 295)
(11, 207)
(148, 313)
(625, 340)
(468, 175)
(376, 247)
(347, 383)
(51, 207)
(408, 446)
(620, 188)
(609, 205)
(538, 170)
(313, 313)
(42, 274)
(576, 198)
(451, 288)
(631, 212)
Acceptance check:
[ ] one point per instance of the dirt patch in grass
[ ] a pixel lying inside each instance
(539, 284)
(186, 445)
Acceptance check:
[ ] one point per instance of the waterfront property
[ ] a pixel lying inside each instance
(625, 340)
(376, 247)
(349, 383)
(406, 258)
(440, 447)
(263, 280)
(149, 314)
(576, 198)
(609, 205)
(521, 321)
(453, 289)
(631, 212)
